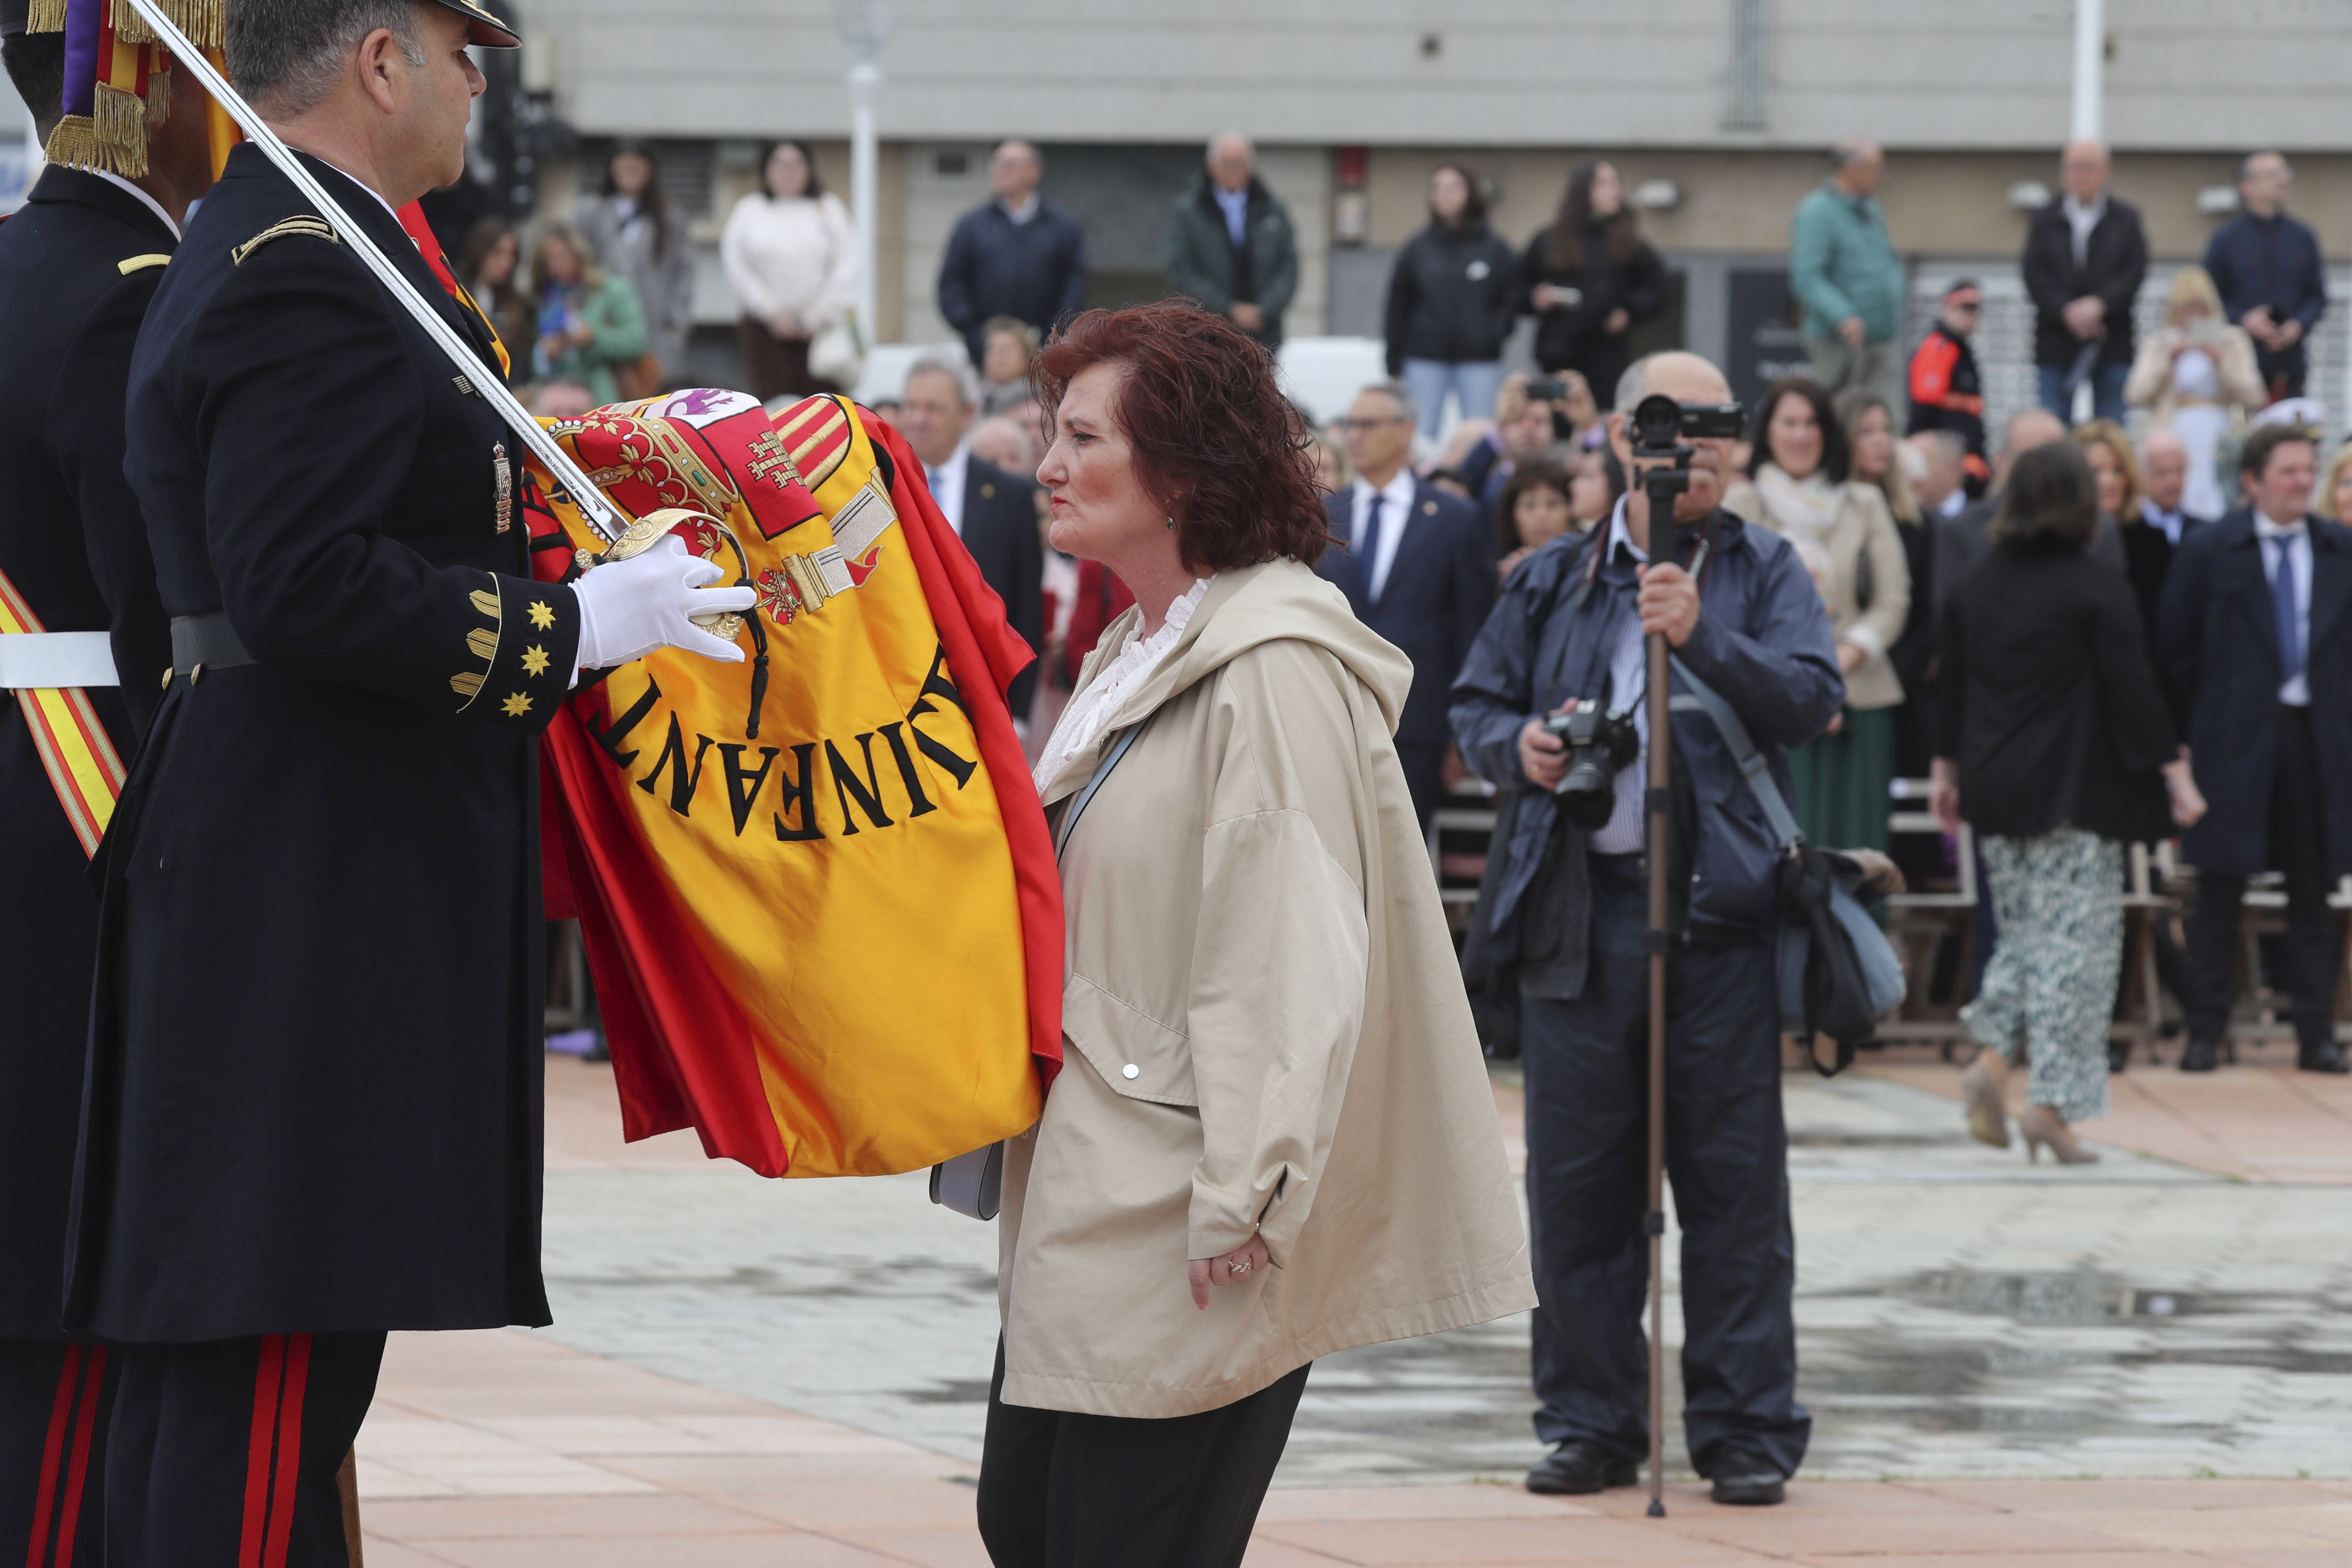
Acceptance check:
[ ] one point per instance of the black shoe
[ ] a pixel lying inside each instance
(1578, 1467)
(2199, 1056)
(2325, 1057)
(1742, 1480)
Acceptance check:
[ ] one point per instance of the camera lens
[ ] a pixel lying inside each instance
(1588, 793)
(1658, 421)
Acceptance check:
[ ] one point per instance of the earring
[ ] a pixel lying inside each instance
(1171, 522)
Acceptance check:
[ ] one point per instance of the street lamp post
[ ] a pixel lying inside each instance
(865, 25)
(2090, 64)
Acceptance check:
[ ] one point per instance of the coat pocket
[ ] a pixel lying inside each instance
(1133, 1052)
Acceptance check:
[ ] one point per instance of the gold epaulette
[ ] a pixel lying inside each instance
(314, 228)
(131, 264)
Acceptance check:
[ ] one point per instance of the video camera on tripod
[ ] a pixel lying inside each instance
(1660, 430)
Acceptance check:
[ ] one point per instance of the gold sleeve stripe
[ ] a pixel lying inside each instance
(310, 227)
(467, 686)
(131, 264)
(486, 602)
(484, 643)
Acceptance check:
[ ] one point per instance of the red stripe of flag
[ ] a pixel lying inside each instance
(268, 1377)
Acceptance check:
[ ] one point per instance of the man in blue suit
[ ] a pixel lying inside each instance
(1417, 565)
(2259, 646)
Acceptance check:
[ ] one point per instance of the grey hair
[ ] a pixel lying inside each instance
(1395, 391)
(1247, 145)
(1635, 385)
(967, 384)
(288, 55)
(2246, 164)
(1850, 152)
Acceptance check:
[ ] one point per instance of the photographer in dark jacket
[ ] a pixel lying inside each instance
(2085, 257)
(1591, 279)
(1453, 299)
(1564, 910)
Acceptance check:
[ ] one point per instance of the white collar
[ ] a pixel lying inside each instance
(1026, 211)
(2077, 209)
(1618, 533)
(2270, 530)
(1398, 489)
(363, 185)
(2149, 510)
(111, 178)
(957, 460)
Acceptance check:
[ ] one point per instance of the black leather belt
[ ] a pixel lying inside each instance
(205, 642)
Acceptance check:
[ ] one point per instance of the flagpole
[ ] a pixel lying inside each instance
(601, 514)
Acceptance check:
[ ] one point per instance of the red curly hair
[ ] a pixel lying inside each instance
(1215, 441)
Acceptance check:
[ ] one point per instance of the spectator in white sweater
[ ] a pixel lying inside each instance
(791, 258)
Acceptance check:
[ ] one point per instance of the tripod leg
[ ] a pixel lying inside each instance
(1654, 1218)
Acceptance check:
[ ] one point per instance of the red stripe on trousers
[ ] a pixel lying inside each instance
(268, 1379)
(289, 1451)
(52, 1456)
(93, 1380)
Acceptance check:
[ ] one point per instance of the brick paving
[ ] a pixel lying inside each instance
(754, 1372)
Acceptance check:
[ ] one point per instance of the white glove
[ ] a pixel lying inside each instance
(629, 608)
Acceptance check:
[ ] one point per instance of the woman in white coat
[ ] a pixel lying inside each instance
(791, 256)
(1273, 1136)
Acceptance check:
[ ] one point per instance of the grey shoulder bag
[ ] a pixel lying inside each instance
(973, 1183)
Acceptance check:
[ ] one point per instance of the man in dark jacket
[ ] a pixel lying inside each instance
(1417, 565)
(1947, 387)
(312, 1108)
(1565, 910)
(2085, 256)
(994, 512)
(2259, 647)
(1230, 244)
(1015, 255)
(87, 639)
(2268, 268)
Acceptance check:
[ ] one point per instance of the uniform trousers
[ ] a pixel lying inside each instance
(223, 1455)
(54, 1402)
(2298, 847)
(1587, 1070)
(1065, 1490)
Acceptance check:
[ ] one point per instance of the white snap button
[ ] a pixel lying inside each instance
(1130, 1070)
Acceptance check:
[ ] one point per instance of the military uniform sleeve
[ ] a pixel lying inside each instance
(312, 413)
(85, 431)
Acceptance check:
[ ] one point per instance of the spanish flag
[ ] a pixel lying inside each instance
(816, 888)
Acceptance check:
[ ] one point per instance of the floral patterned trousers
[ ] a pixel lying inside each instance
(2050, 989)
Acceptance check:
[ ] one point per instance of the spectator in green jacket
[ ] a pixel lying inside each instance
(1230, 244)
(1844, 271)
(589, 319)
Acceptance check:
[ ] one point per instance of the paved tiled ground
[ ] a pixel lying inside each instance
(792, 1371)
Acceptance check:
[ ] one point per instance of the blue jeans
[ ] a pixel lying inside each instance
(2107, 390)
(1474, 382)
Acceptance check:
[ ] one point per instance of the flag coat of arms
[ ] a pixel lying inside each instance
(816, 888)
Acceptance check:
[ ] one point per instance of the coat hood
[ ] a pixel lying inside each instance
(1243, 609)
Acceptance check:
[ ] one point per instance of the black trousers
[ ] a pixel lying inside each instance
(54, 1402)
(2298, 847)
(226, 1453)
(1059, 1491)
(1587, 1069)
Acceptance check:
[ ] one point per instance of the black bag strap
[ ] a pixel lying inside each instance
(1110, 760)
(1752, 766)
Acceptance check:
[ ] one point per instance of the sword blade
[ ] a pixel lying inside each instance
(595, 505)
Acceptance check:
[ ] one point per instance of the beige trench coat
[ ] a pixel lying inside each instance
(1862, 526)
(1263, 1030)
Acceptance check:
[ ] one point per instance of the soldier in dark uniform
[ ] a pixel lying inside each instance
(313, 1105)
(77, 266)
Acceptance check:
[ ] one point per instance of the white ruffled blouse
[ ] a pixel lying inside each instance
(1082, 721)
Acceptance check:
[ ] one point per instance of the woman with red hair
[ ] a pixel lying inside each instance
(1273, 1137)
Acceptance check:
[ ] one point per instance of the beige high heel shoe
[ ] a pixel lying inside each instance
(2041, 1129)
(1982, 1088)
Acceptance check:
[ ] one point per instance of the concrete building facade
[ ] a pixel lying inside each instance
(1721, 110)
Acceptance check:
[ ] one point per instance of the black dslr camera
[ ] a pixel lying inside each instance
(1599, 745)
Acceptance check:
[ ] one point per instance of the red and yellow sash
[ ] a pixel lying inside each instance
(82, 765)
